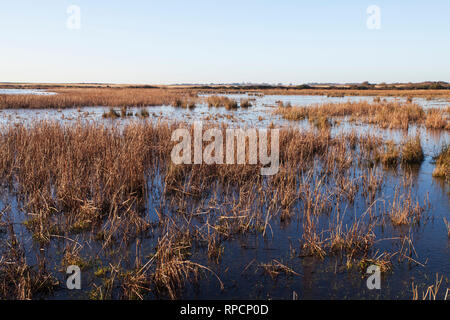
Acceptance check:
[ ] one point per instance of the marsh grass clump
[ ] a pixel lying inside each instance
(320, 122)
(221, 101)
(191, 105)
(215, 248)
(187, 102)
(125, 113)
(214, 101)
(432, 291)
(105, 97)
(275, 268)
(351, 238)
(404, 210)
(111, 114)
(143, 113)
(19, 281)
(230, 104)
(437, 119)
(395, 115)
(412, 152)
(134, 284)
(84, 173)
(389, 155)
(173, 268)
(280, 104)
(245, 103)
(383, 261)
(177, 102)
(291, 113)
(384, 114)
(442, 160)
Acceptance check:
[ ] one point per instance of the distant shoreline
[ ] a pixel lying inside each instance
(428, 85)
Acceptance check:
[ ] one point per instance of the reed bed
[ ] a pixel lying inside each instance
(408, 93)
(442, 168)
(221, 101)
(384, 114)
(109, 97)
(99, 192)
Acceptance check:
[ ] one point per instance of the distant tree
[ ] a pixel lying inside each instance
(436, 85)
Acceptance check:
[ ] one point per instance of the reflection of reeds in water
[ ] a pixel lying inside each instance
(222, 101)
(447, 224)
(404, 210)
(438, 119)
(412, 152)
(443, 163)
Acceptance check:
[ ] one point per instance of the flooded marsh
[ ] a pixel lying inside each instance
(361, 181)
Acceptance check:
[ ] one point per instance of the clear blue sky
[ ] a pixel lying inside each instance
(288, 41)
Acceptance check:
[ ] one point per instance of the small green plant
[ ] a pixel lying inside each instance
(144, 113)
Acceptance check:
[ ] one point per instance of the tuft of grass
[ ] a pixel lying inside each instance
(143, 113)
(389, 154)
(437, 119)
(412, 152)
(275, 268)
(245, 103)
(220, 101)
(230, 104)
(432, 291)
(383, 114)
(111, 114)
(442, 168)
(404, 210)
(320, 122)
(383, 261)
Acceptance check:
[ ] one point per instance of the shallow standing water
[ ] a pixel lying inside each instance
(26, 91)
(318, 279)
